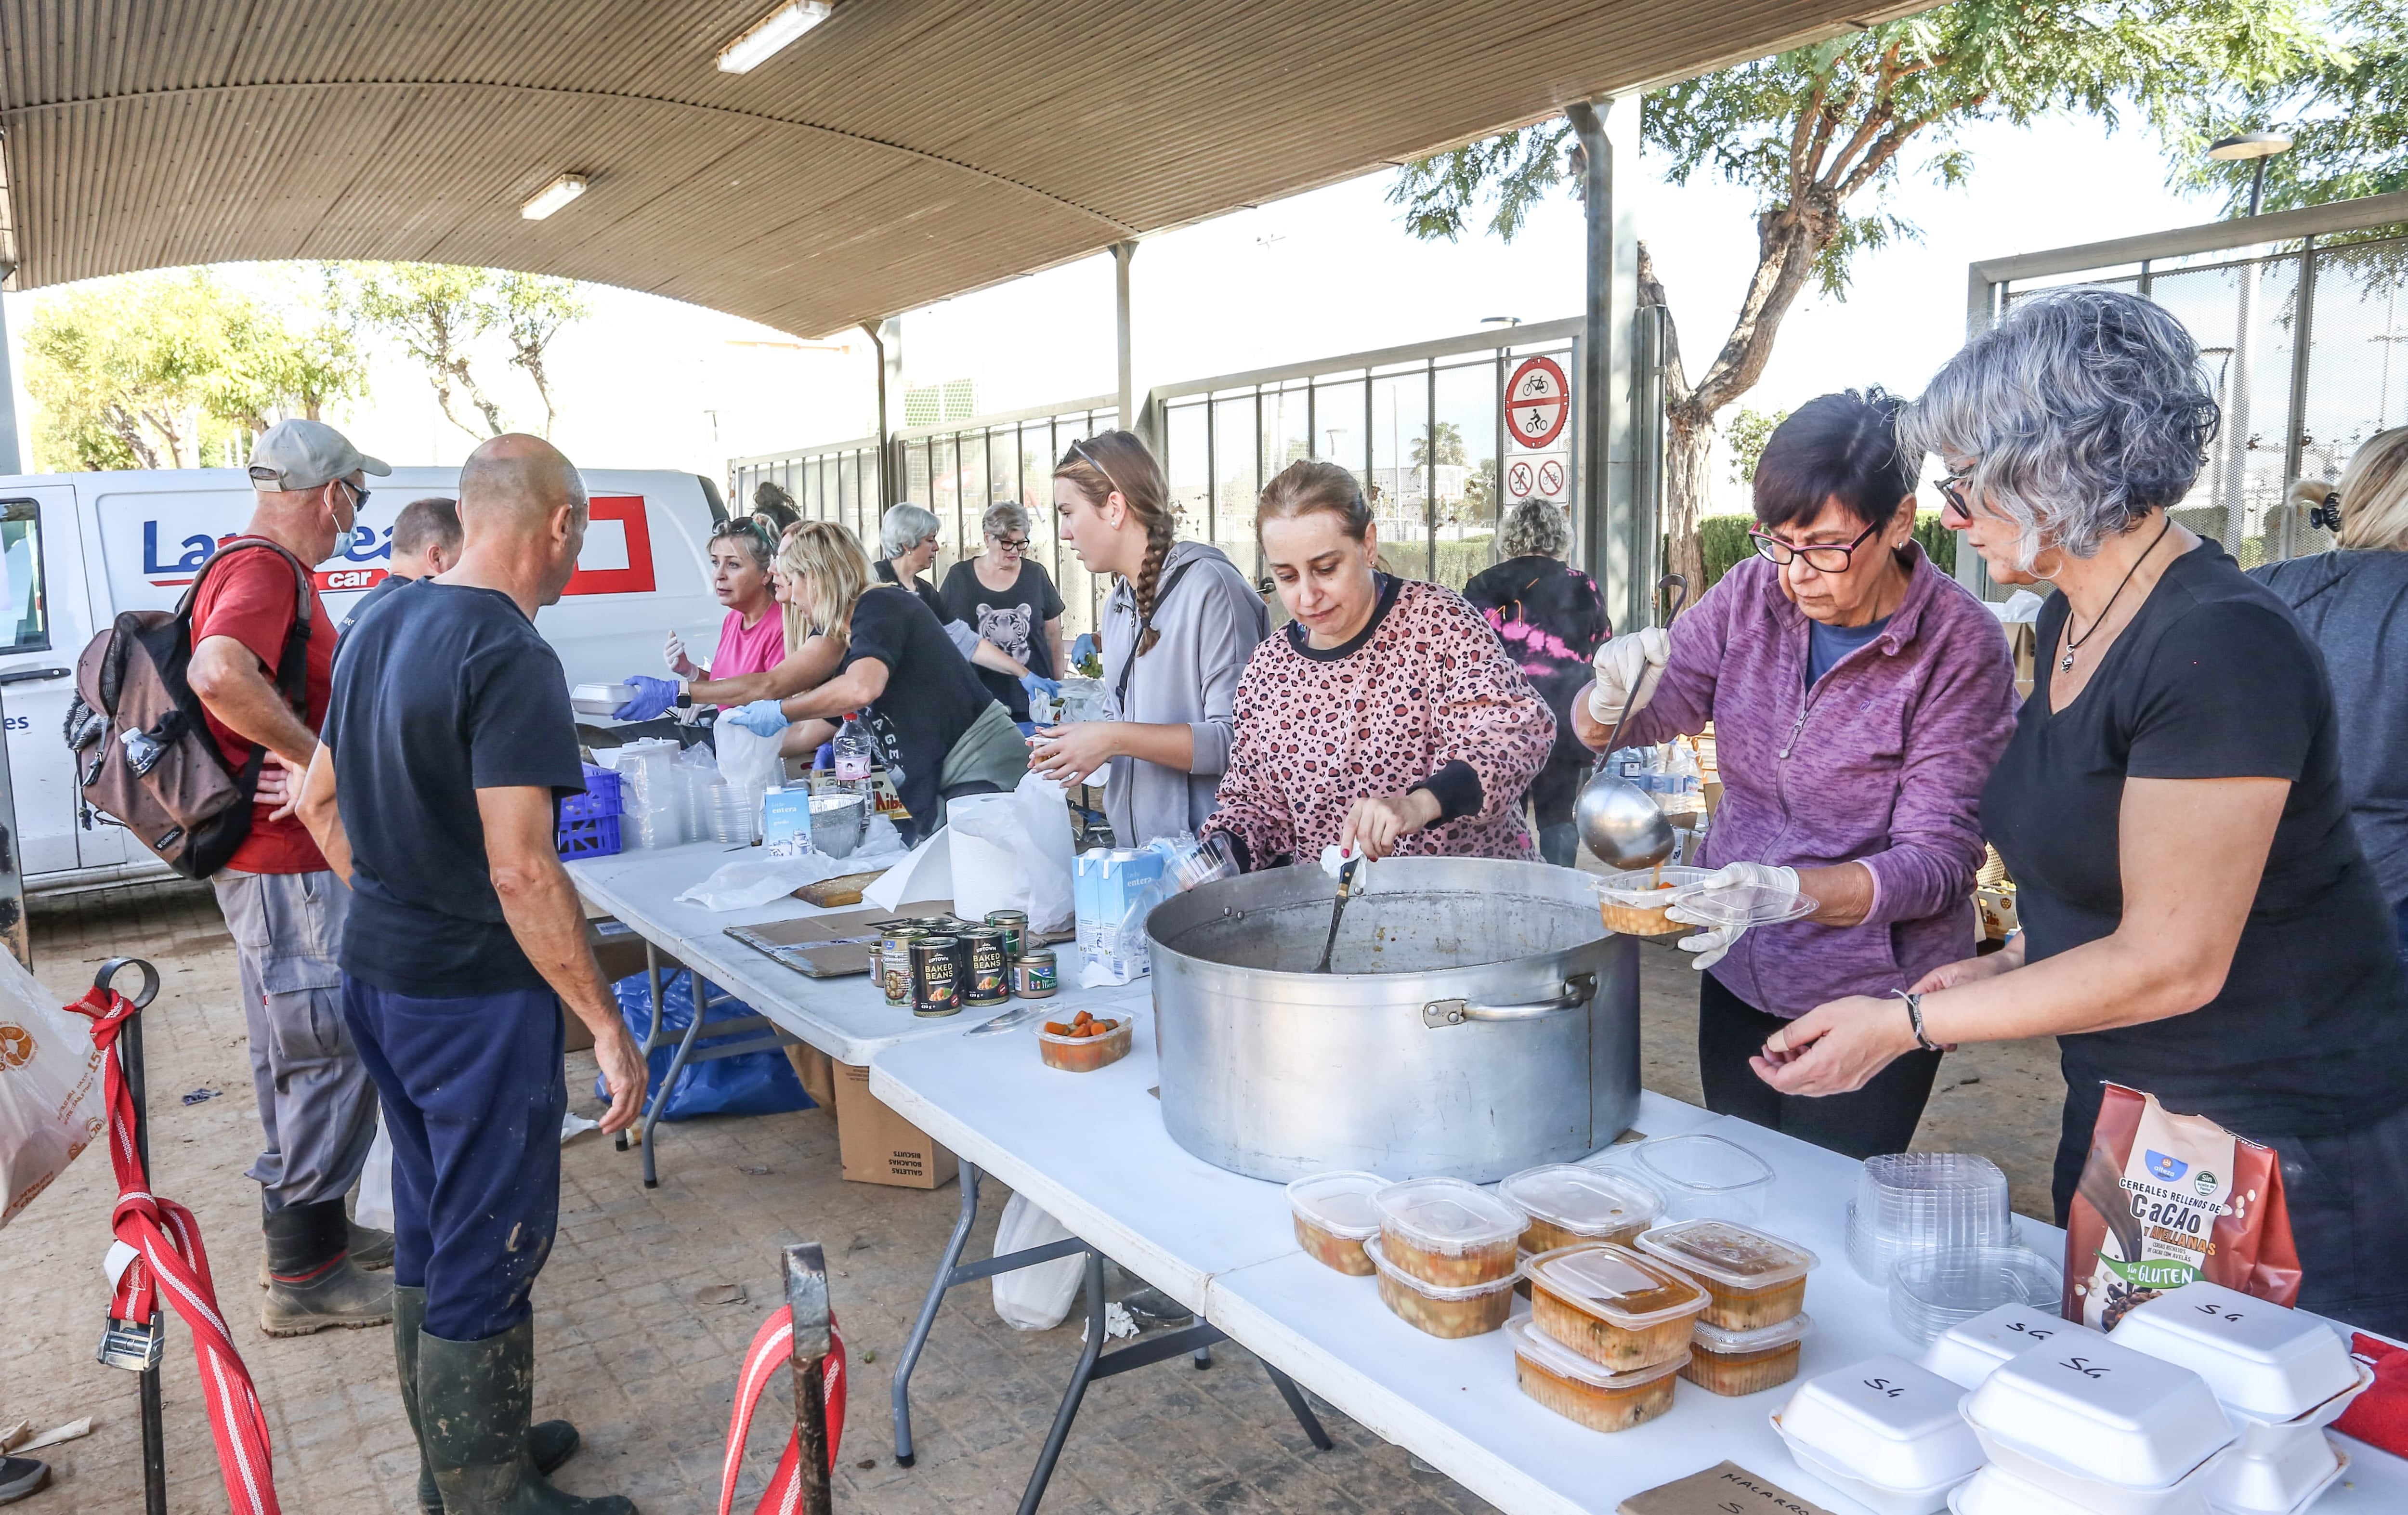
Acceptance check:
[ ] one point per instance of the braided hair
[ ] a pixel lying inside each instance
(1118, 463)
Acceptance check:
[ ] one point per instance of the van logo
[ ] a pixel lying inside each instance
(365, 545)
(198, 548)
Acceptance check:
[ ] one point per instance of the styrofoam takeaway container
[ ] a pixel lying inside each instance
(1966, 1351)
(2261, 1359)
(1885, 1431)
(1993, 1490)
(2275, 1477)
(2101, 1424)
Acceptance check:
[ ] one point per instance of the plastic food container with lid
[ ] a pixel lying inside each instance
(1634, 903)
(2074, 1416)
(1612, 1305)
(1567, 1203)
(1757, 1280)
(2262, 1360)
(1911, 1202)
(1966, 1353)
(1334, 1218)
(1930, 1292)
(1702, 1176)
(1447, 1232)
(1993, 1490)
(1883, 1431)
(1737, 1362)
(1579, 1390)
(1468, 1311)
(1085, 1054)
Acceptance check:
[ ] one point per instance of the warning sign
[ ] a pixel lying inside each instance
(1537, 402)
(1541, 477)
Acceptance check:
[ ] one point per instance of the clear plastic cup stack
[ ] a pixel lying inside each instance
(1933, 1290)
(1915, 1202)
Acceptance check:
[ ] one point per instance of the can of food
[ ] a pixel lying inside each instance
(1015, 926)
(893, 963)
(1032, 975)
(989, 979)
(936, 976)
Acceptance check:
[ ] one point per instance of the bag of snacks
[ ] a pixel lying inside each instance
(2165, 1199)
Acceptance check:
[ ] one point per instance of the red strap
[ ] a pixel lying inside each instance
(174, 1264)
(771, 1353)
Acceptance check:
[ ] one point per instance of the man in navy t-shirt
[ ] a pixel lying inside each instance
(448, 745)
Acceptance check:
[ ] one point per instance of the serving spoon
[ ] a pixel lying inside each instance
(1338, 910)
(1620, 821)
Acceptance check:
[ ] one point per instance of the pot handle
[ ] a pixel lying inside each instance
(1577, 991)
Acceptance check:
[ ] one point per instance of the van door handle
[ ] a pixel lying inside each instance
(27, 676)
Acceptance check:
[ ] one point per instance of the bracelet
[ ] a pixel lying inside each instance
(1914, 1019)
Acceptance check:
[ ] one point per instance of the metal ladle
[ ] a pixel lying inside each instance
(1620, 821)
(1338, 910)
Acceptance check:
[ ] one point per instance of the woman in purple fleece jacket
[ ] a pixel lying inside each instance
(1860, 697)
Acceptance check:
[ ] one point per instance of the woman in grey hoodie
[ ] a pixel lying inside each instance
(2353, 601)
(1179, 628)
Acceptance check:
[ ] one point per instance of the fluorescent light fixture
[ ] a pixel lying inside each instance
(554, 195)
(764, 37)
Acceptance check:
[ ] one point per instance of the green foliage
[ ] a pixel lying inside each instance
(1456, 561)
(1450, 445)
(1725, 542)
(175, 370)
(438, 311)
(1745, 436)
(2346, 113)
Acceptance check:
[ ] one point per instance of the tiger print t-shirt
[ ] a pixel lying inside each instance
(1012, 618)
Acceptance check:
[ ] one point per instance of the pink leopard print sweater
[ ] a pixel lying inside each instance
(1429, 685)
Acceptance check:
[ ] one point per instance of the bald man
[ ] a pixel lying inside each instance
(448, 745)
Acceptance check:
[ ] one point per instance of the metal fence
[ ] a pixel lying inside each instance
(2302, 317)
(836, 482)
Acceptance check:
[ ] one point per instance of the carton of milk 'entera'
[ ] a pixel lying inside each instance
(1112, 888)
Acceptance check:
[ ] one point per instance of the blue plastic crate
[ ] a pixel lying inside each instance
(589, 822)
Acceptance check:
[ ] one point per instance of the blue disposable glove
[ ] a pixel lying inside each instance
(1032, 682)
(761, 717)
(653, 696)
(1080, 648)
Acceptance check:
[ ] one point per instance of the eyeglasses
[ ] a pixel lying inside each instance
(1828, 558)
(1010, 544)
(1953, 501)
(359, 498)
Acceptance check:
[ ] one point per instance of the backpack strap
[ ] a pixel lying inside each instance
(293, 660)
(1120, 693)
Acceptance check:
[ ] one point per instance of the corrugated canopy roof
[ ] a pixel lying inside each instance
(903, 151)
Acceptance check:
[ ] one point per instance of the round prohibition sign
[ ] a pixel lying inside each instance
(1517, 480)
(1537, 402)
(1550, 479)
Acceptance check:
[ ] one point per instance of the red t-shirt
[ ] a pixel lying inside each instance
(250, 600)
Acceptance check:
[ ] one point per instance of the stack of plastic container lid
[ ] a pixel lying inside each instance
(2282, 1377)
(2094, 1426)
(1702, 1177)
(1916, 1202)
(1883, 1431)
(1932, 1291)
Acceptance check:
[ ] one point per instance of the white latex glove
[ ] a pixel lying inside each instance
(1710, 945)
(674, 654)
(1637, 659)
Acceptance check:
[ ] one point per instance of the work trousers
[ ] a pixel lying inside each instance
(1879, 1118)
(317, 1112)
(473, 1098)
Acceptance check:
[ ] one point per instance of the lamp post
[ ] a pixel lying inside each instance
(2243, 147)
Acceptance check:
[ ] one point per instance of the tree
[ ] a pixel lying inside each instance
(2346, 115)
(438, 312)
(1749, 431)
(1820, 134)
(1450, 445)
(535, 308)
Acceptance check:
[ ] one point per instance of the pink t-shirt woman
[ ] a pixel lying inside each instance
(744, 650)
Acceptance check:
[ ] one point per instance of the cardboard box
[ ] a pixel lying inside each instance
(876, 1145)
(817, 1071)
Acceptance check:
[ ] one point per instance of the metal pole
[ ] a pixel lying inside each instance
(807, 1299)
(12, 882)
(2295, 441)
(1122, 253)
(878, 344)
(11, 461)
(1597, 197)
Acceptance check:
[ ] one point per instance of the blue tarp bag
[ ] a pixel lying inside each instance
(754, 1084)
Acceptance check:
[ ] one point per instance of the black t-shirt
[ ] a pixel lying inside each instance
(369, 601)
(1012, 618)
(932, 695)
(2213, 678)
(445, 691)
(1552, 621)
(919, 586)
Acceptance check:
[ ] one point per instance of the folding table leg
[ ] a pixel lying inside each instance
(660, 1099)
(919, 1329)
(1035, 1493)
(1298, 1406)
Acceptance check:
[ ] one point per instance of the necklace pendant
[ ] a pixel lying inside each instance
(2065, 663)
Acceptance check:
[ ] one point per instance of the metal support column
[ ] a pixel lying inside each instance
(2303, 330)
(1122, 253)
(1618, 546)
(12, 855)
(11, 460)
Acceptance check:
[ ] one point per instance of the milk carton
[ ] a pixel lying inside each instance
(1111, 889)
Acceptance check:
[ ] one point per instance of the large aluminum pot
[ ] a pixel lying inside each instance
(1477, 1021)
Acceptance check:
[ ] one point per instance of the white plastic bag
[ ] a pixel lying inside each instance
(1034, 1299)
(374, 1207)
(1032, 824)
(52, 1104)
(750, 763)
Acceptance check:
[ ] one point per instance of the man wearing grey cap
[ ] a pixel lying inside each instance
(255, 614)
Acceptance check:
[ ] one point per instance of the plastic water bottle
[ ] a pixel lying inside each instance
(853, 751)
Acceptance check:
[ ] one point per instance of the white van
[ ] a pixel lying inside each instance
(78, 549)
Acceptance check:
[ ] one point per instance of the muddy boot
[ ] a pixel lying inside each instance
(550, 1443)
(475, 1400)
(371, 1250)
(312, 1284)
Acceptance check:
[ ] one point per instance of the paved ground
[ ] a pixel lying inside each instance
(631, 1345)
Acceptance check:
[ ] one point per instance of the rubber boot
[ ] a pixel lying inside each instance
(550, 1443)
(475, 1399)
(371, 1250)
(313, 1285)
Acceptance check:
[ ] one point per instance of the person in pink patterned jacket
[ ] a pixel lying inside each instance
(1385, 717)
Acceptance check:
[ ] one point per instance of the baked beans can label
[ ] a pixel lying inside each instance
(936, 982)
(989, 981)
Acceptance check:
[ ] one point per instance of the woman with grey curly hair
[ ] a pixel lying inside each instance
(906, 544)
(2198, 920)
(1552, 619)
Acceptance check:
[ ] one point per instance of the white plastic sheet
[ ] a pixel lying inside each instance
(1031, 826)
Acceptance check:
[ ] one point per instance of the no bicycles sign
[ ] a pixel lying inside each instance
(1537, 402)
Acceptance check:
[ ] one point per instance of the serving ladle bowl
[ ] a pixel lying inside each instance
(1620, 821)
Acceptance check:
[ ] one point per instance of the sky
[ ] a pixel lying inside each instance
(649, 382)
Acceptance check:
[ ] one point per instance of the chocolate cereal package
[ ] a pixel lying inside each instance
(2165, 1199)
